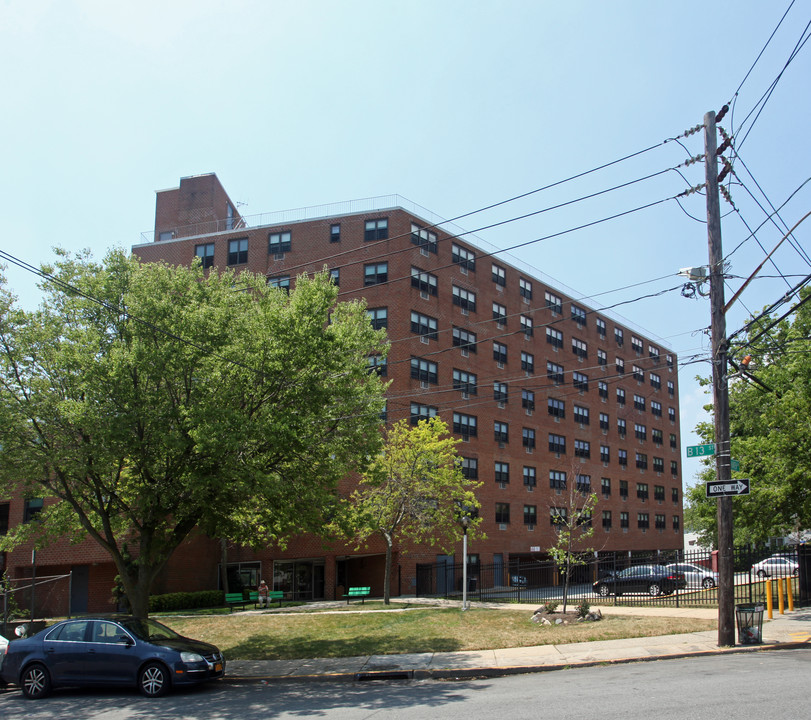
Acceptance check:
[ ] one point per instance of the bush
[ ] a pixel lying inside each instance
(550, 607)
(582, 610)
(186, 600)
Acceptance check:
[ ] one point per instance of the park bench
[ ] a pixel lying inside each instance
(357, 592)
(276, 595)
(237, 599)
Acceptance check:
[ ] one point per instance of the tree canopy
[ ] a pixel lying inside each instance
(414, 491)
(770, 429)
(150, 400)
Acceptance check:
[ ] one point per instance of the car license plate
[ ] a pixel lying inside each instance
(218, 667)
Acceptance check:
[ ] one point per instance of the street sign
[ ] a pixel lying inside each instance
(728, 489)
(734, 465)
(700, 450)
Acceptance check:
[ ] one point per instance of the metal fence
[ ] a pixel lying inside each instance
(541, 581)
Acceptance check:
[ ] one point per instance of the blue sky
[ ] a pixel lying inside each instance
(453, 105)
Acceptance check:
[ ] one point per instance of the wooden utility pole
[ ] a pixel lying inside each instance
(726, 577)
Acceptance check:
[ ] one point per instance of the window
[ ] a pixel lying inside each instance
(463, 258)
(671, 414)
(620, 396)
(528, 400)
(639, 402)
(501, 432)
(530, 515)
(624, 489)
(622, 459)
(530, 480)
(499, 275)
(636, 345)
(605, 453)
(502, 513)
(582, 448)
(624, 520)
(335, 276)
(238, 251)
(659, 493)
(602, 389)
(642, 521)
(553, 302)
(525, 289)
(422, 412)
(580, 348)
(554, 337)
(604, 421)
(656, 436)
(620, 365)
(581, 414)
(527, 362)
(655, 381)
(280, 281)
(641, 461)
(4, 508)
(554, 372)
(557, 443)
(499, 352)
(642, 491)
(335, 233)
(499, 313)
(578, 315)
(640, 431)
(500, 392)
(528, 438)
(378, 364)
(31, 508)
(658, 465)
(502, 471)
(602, 357)
(674, 494)
(605, 486)
(618, 336)
(671, 388)
(464, 425)
(423, 370)
(206, 254)
(601, 327)
(621, 428)
(375, 273)
(638, 373)
(675, 522)
(656, 408)
(279, 242)
(557, 516)
(424, 239)
(526, 326)
(464, 339)
(557, 480)
(376, 229)
(465, 381)
(470, 468)
(556, 408)
(379, 317)
(423, 281)
(674, 468)
(464, 299)
(584, 484)
(580, 381)
(606, 519)
(674, 442)
(424, 325)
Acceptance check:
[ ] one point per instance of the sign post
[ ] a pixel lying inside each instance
(733, 488)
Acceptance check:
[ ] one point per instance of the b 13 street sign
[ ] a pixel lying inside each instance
(700, 450)
(728, 489)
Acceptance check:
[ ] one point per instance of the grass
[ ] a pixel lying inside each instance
(287, 636)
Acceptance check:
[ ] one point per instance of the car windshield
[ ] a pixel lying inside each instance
(149, 630)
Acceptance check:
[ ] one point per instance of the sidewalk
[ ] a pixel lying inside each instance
(792, 630)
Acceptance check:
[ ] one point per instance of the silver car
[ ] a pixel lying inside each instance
(696, 575)
(776, 566)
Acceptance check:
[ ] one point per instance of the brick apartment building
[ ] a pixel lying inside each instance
(543, 390)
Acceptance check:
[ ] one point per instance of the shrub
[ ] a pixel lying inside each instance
(186, 600)
(550, 607)
(582, 610)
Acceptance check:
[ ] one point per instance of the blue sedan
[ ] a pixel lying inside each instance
(111, 651)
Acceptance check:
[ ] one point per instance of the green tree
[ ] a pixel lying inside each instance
(414, 491)
(770, 424)
(150, 400)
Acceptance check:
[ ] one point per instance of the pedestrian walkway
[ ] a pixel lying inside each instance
(792, 630)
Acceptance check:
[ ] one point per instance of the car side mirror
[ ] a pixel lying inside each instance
(126, 639)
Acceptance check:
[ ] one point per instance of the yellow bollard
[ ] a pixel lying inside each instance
(769, 601)
(790, 593)
(781, 600)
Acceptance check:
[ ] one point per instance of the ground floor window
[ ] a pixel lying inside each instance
(242, 576)
(299, 579)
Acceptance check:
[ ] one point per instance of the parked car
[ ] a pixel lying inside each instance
(122, 651)
(3, 643)
(696, 575)
(776, 565)
(652, 579)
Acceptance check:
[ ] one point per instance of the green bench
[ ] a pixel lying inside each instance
(275, 595)
(357, 592)
(236, 599)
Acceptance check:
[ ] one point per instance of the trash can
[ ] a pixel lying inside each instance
(750, 623)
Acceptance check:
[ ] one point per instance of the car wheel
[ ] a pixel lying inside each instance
(153, 680)
(761, 574)
(35, 682)
(604, 591)
(708, 583)
(655, 589)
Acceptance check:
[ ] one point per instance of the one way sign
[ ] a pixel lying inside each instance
(727, 489)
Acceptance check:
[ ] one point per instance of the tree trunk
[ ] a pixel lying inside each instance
(387, 575)
(224, 564)
(566, 584)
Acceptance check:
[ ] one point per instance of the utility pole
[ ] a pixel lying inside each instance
(726, 578)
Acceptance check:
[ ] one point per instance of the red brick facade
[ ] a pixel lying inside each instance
(436, 293)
